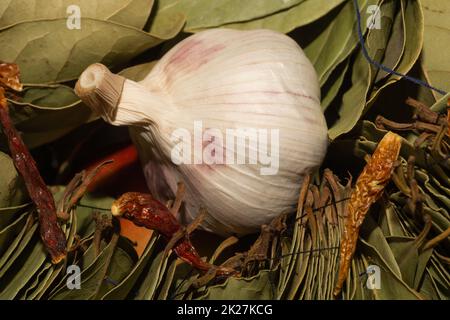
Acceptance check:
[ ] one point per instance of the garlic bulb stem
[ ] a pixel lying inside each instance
(120, 101)
(100, 89)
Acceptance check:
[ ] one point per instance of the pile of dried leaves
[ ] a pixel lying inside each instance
(404, 235)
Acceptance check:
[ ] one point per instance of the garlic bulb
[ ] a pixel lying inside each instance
(234, 115)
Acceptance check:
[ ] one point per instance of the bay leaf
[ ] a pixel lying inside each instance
(92, 277)
(12, 188)
(202, 14)
(124, 288)
(350, 106)
(407, 256)
(335, 43)
(414, 31)
(330, 88)
(285, 21)
(9, 236)
(395, 46)
(150, 283)
(22, 275)
(436, 65)
(138, 72)
(254, 288)
(121, 265)
(391, 286)
(7, 215)
(48, 52)
(130, 12)
(168, 279)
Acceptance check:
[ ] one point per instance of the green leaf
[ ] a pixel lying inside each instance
(92, 277)
(351, 105)
(392, 286)
(26, 271)
(48, 97)
(334, 83)
(168, 279)
(138, 72)
(285, 21)
(202, 14)
(7, 215)
(336, 42)
(436, 65)
(129, 12)
(123, 289)
(12, 188)
(40, 126)
(396, 43)
(258, 287)
(413, 28)
(407, 256)
(47, 51)
(147, 289)
(374, 236)
(10, 237)
(121, 265)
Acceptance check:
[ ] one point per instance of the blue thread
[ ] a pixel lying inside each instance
(381, 66)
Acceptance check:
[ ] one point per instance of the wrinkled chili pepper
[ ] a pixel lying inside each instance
(51, 233)
(368, 189)
(143, 210)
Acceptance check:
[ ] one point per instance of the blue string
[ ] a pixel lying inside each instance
(381, 66)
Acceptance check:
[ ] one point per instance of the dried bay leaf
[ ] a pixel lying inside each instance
(285, 21)
(350, 106)
(395, 46)
(150, 283)
(435, 63)
(202, 14)
(129, 12)
(331, 87)
(12, 188)
(9, 234)
(23, 273)
(414, 30)
(258, 287)
(47, 52)
(124, 288)
(335, 43)
(138, 72)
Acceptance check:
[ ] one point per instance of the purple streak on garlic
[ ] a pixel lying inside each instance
(225, 80)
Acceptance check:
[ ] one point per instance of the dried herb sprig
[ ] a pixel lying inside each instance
(369, 187)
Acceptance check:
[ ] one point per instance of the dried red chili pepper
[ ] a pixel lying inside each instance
(368, 189)
(51, 233)
(143, 210)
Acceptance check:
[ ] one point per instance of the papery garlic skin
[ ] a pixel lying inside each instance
(227, 79)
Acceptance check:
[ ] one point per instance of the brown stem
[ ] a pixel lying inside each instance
(423, 112)
(435, 241)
